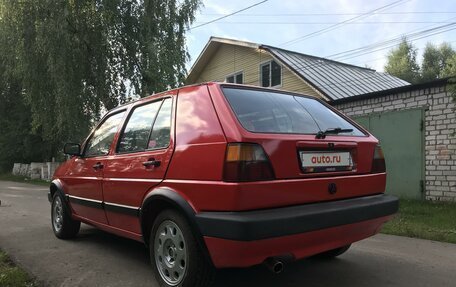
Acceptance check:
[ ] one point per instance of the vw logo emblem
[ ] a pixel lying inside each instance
(332, 188)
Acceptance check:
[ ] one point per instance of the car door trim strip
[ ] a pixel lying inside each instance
(86, 201)
(108, 206)
(120, 208)
(133, 179)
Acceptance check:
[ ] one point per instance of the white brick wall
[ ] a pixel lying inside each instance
(440, 124)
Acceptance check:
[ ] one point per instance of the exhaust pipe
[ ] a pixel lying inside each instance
(274, 265)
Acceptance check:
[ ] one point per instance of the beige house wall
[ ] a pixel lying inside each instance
(230, 59)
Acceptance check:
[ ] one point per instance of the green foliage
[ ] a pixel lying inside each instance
(450, 71)
(435, 61)
(402, 62)
(438, 62)
(450, 68)
(424, 219)
(17, 143)
(430, 68)
(68, 61)
(13, 276)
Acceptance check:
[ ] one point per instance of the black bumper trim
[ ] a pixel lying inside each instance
(268, 223)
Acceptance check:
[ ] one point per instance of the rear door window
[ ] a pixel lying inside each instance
(135, 136)
(264, 111)
(149, 127)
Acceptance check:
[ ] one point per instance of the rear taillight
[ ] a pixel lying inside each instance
(378, 164)
(246, 162)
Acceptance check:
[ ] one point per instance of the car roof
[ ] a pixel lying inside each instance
(150, 97)
(158, 95)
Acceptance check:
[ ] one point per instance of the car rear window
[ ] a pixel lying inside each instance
(263, 111)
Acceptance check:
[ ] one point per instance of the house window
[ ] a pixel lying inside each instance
(236, 78)
(271, 74)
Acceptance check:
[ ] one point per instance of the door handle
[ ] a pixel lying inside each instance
(151, 162)
(98, 165)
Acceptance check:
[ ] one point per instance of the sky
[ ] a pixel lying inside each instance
(277, 22)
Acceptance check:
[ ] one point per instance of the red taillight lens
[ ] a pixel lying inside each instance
(246, 162)
(378, 164)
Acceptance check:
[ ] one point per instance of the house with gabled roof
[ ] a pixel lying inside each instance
(244, 62)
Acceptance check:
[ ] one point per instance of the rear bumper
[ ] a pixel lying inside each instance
(262, 224)
(300, 230)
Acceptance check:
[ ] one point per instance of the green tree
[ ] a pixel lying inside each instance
(435, 60)
(450, 68)
(402, 62)
(450, 71)
(17, 142)
(74, 59)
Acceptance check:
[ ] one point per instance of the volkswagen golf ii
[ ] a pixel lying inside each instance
(220, 175)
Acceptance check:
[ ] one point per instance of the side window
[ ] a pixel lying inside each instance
(237, 78)
(101, 140)
(276, 74)
(271, 74)
(135, 136)
(161, 131)
(266, 75)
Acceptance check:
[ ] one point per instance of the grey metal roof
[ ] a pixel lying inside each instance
(334, 79)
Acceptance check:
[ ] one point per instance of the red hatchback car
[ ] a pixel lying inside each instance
(222, 175)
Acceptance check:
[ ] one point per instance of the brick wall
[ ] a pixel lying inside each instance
(440, 124)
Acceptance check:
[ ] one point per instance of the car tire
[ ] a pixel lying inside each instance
(333, 253)
(177, 258)
(63, 225)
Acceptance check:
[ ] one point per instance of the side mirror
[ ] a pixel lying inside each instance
(72, 149)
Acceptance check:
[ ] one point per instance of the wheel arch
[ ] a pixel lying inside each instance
(56, 186)
(165, 198)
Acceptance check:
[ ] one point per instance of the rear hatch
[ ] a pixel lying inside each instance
(302, 138)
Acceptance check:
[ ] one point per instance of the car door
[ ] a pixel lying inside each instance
(84, 180)
(140, 161)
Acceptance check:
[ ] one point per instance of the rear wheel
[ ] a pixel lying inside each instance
(177, 259)
(333, 253)
(63, 225)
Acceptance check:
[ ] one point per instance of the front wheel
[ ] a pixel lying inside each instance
(63, 225)
(177, 259)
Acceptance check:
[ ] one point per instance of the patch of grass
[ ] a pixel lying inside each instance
(424, 219)
(13, 276)
(18, 178)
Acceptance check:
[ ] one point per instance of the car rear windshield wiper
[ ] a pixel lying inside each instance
(332, 131)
